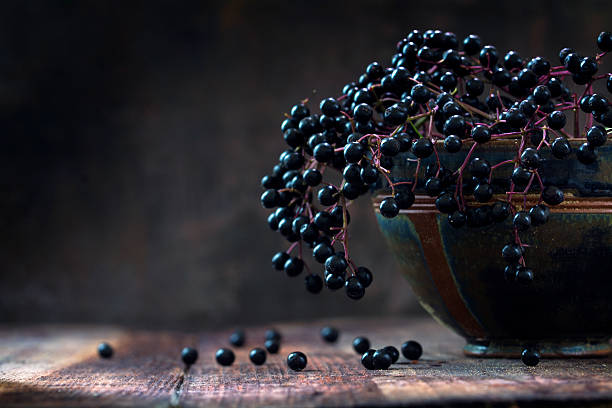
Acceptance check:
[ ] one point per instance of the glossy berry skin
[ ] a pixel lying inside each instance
(313, 283)
(329, 334)
(237, 338)
(393, 353)
(586, 154)
(530, 158)
(472, 44)
(257, 356)
(297, 361)
(596, 136)
(353, 152)
(333, 281)
(512, 253)
(390, 147)
(561, 147)
(367, 359)
(481, 134)
(552, 195)
(422, 148)
(189, 355)
(361, 345)
(604, 41)
(524, 276)
(354, 288)
(412, 350)
(335, 264)
(539, 214)
(389, 208)
(293, 267)
(279, 259)
(452, 143)
(457, 219)
(381, 359)
(483, 192)
(530, 357)
(446, 203)
(105, 350)
(521, 176)
(364, 276)
(272, 346)
(270, 198)
(480, 167)
(273, 334)
(225, 357)
(521, 221)
(500, 211)
(556, 120)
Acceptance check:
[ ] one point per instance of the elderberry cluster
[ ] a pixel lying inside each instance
(438, 92)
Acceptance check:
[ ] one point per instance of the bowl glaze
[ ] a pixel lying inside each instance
(457, 274)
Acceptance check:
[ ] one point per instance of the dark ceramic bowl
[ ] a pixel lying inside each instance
(457, 274)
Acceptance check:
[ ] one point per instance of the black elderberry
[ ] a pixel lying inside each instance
(500, 211)
(105, 350)
(512, 253)
(313, 283)
(225, 357)
(237, 338)
(446, 203)
(393, 353)
(596, 136)
(604, 41)
(472, 44)
(605, 118)
(527, 107)
(288, 123)
(524, 276)
(270, 198)
(474, 87)
(556, 120)
(420, 94)
(448, 81)
(455, 125)
(586, 154)
(530, 357)
(389, 208)
(541, 94)
(354, 288)
(510, 272)
(530, 158)
(364, 276)
(395, 115)
(329, 107)
(480, 167)
(513, 60)
(422, 148)
(412, 350)
(501, 77)
(328, 195)
(257, 356)
(539, 65)
(323, 152)
(572, 62)
(452, 59)
(362, 112)
(333, 281)
(598, 103)
(279, 259)
(299, 111)
(527, 78)
(457, 219)
(539, 214)
(329, 334)
(272, 334)
(483, 192)
(390, 147)
(322, 251)
(361, 345)
(488, 56)
(297, 361)
(364, 96)
(367, 359)
(189, 355)
(352, 173)
(369, 174)
(481, 134)
(272, 346)
(353, 152)
(381, 359)
(561, 147)
(515, 118)
(336, 264)
(521, 221)
(404, 198)
(552, 195)
(293, 267)
(588, 66)
(451, 108)
(521, 176)
(433, 186)
(452, 143)
(351, 190)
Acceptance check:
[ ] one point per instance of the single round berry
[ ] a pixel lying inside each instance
(521, 176)
(279, 259)
(257, 356)
(483, 192)
(530, 158)
(552, 195)
(530, 357)
(539, 214)
(510, 272)
(381, 359)
(329, 334)
(353, 152)
(586, 154)
(481, 134)
(521, 221)
(237, 338)
(367, 359)
(272, 346)
(334, 281)
(361, 345)
(500, 211)
(225, 357)
(452, 143)
(189, 355)
(524, 276)
(422, 148)
(389, 208)
(596, 136)
(336, 264)
(412, 350)
(297, 361)
(270, 198)
(354, 288)
(480, 167)
(105, 350)
(561, 147)
(512, 253)
(457, 219)
(433, 186)
(313, 283)
(272, 334)
(364, 276)
(556, 120)
(446, 203)
(393, 353)
(604, 41)
(472, 44)
(293, 267)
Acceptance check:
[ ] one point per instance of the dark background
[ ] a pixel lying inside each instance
(134, 134)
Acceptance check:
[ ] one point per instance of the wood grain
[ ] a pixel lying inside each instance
(58, 366)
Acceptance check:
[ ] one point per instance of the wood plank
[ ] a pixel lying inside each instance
(58, 366)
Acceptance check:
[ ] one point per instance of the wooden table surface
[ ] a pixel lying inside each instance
(59, 366)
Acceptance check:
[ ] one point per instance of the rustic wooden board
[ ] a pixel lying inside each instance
(58, 366)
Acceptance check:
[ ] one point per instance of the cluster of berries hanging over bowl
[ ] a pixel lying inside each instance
(438, 94)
